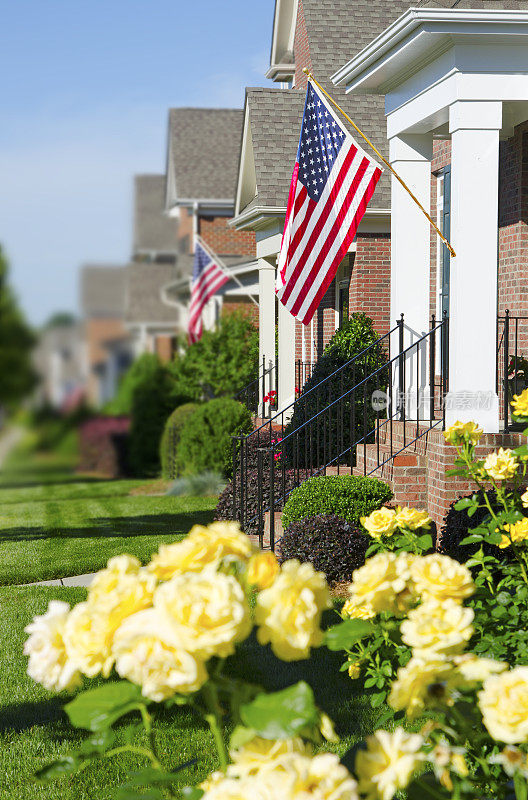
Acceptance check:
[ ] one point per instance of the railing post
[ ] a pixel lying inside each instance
(272, 499)
(236, 516)
(505, 367)
(432, 367)
(444, 346)
(401, 367)
(260, 502)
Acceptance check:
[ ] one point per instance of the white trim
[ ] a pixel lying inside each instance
(245, 167)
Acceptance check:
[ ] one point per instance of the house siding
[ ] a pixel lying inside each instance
(225, 240)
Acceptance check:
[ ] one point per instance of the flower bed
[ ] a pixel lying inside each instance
(103, 446)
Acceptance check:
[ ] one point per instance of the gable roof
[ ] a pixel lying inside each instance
(102, 290)
(204, 145)
(143, 294)
(153, 231)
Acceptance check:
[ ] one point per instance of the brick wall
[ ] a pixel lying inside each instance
(370, 281)
(185, 230)
(301, 49)
(513, 218)
(244, 306)
(164, 347)
(225, 240)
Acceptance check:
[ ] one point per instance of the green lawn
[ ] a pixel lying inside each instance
(33, 730)
(54, 523)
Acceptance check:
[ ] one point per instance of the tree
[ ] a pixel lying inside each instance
(17, 376)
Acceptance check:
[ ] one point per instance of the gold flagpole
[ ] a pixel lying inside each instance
(420, 206)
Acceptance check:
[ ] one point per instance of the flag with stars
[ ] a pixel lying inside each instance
(332, 183)
(208, 277)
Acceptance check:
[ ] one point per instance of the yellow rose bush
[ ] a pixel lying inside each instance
(399, 530)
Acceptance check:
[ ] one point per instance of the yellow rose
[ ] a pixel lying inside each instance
(88, 636)
(262, 570)
(49, 663)
(354, 670)
(520, 404)
(441, 578)
(380, 582)
(147, 653)
(503, 702)
(123, 588)
(524, 499)
(412, 518)
(419, 684)
(517, 532)
(264, 754)
(353, 610)
(438, 627)
(461, 432)
(202, 547)
(289, 612)
(502, 465)
(388, 763)
(208, 612)
(471, 669)
(380, 523)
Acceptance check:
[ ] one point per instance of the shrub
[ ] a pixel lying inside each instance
(171, 436)
(153, 399)
(332, 544)
(351, 339)
(205, 442)
(222, 362)
(103, 445)
(348, 496)
(458, 524)
(207, 484)
(142, 372)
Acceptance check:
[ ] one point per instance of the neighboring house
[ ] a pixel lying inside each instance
(60, 364)
(102, 301)
(454, 77)
(202, 166)
(311, 34)
(156, 253)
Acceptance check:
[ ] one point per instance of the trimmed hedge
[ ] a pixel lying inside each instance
(332, 544)
(205, 441)
(348, 496)
(171, 437)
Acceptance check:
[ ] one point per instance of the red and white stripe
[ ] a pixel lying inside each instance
(317, 234)
(210, 281)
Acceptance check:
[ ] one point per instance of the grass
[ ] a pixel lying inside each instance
(54, 523)
(33, 730)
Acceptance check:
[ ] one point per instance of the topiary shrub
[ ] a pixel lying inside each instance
(348, 496)
(323, 437)
(457, 525)
(205, 441)
(171, 437)
(332, 544)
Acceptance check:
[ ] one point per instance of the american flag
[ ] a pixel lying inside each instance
(332, 183)
(208, 277)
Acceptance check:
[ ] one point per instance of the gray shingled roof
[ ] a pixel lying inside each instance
(102, 290)
(513, 5)
(143, 299)
(205, 145)
(153, 230)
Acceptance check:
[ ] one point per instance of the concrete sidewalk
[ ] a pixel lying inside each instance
(73, 580)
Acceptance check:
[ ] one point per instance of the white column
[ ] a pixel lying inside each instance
(474, 127)
(266, 320)
(410, 155)
(286, 357)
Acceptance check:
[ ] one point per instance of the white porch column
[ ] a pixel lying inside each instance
(474, 126)
(410, 155)
(286, 357)
(266, 320)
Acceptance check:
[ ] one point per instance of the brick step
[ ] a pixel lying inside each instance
(405, 473)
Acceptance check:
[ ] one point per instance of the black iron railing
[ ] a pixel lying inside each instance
(303, 372)
(512, 363)
(329, 424)
(260, 396)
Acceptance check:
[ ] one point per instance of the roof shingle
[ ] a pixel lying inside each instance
(153, 230)
(102, 289)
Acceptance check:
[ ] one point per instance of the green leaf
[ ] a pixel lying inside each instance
(98, 744)
(192, 793)
(522, 451)
(472, 539)
(426, 787)
(347, 633)
(464, 502)
(149, 775)
(460, 472)
(99, 708)
(377, 699)
(283, 714)
(494, 538)
(425, 542)
(241, 736)
(58, 769)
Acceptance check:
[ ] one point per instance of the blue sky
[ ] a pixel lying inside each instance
(84, 98)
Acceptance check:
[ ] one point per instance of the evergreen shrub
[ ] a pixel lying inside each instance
(171, 437)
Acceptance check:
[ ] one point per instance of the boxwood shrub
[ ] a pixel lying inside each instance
(205, 441)
(333, 545)
(171, 437)
(349, 496)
